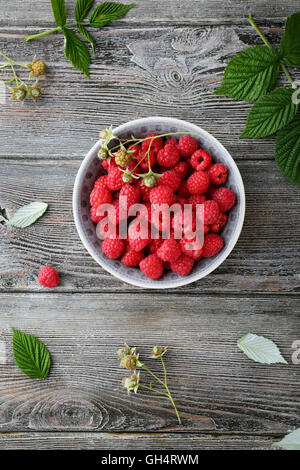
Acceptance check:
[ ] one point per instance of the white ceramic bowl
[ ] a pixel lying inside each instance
(91, 169)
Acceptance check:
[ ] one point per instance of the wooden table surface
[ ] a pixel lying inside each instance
(165, 58)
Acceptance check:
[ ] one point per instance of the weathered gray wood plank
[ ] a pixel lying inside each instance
(177, 73)
(217, 389)
(266, 258)
(130, 441)
(211, 11)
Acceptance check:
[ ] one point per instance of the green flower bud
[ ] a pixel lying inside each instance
(150, 181)
(158, 351)
(103, 153)
(132, 382)
(131, 362)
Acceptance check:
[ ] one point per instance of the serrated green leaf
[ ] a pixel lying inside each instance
(76, 51)
(84, 32)
(270, 113)
(108, 11)
(289, 47)
(82, 8)
(250, 74)
(59, 12)
(260, 349)
(287, 151)
(31, 355)
(290, 442)
(28, 214)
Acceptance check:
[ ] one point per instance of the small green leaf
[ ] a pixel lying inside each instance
(84, 32)
(76, 51)
(289, 47)
(260, 349)
(107, 12)
(287, 151)
(250, 74)
(59, 12)
(28, 214)
(31, 355)
(290, 442)
(270, 113)
(82, 8)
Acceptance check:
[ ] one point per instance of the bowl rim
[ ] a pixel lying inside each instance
(184, 280)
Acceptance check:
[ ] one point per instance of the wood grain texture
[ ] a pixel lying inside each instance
(266, 258)
(131, 441)
(217, 389)
(177, 72)
(153, 11)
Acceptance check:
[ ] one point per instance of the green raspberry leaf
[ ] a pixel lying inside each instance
(28, 214)
(260, 349)
(270, 113)
(76, 51)
(289, 47)
(84, 32)
(59, 12)
(287, 151)
(82, 8)
(250, 74)
(31, 355)
(107, 12)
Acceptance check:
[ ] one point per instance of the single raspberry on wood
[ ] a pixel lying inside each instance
(100, 196)
(183, 265)
(213, 243)
(113, 247)
(187, 146)
(198, 182)
(218, 173)
(48, 277)
(168, 156)
(169, 250)
(152, 266)
(225, 198)
(200, 160)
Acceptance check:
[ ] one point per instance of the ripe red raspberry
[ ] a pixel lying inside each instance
(168, 156)
(132, 193)
(225, 198)
(156, 145)
(105, 164)
(181, 169)
(211, 212)
(152, 266)
(172, 142)
(209, 193)
(161, 195)
(220, 223)
(135, 150)
(93, 215)
(218, 173)
(213, 243)
(132, 258)
(101, 182)
(183, 265)
(100, 196)
(155, 244)
(145, 190)
(113, 247)
(187, 245)
(200, 160)
(48, 277)
(181, 200)
(198, 182)
(114, 179)
(143, 159)
(137, 241)
(196, 199)
(183, 189)
(169, 250)
(187, 146)
(171, 179)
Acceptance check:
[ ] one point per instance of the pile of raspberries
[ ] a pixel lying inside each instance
(188, 177)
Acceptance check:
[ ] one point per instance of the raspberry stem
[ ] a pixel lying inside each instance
(265, 40)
